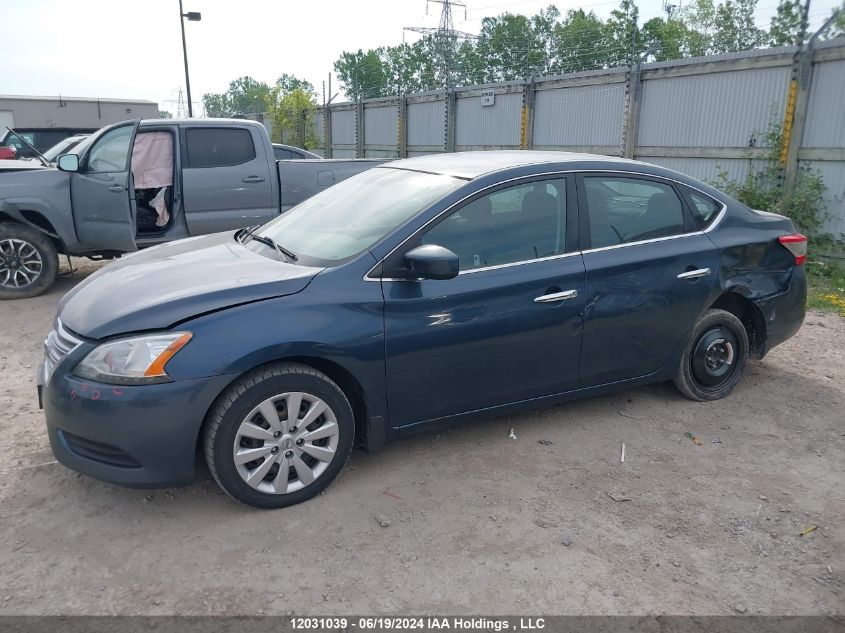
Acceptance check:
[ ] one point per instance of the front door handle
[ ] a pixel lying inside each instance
(252, 179)
(116, 188)
(695, 274)
(557, 296)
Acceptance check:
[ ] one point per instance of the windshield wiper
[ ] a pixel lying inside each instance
(269, 242)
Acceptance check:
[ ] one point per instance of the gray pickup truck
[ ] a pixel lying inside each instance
(140, 183)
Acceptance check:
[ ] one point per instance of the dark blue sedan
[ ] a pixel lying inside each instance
(416, 294)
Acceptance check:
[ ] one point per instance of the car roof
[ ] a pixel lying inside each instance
(201, 122)
(474, 164)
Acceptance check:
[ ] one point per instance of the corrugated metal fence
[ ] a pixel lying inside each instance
(699, 116)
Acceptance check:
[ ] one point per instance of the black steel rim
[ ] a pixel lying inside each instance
(715, 357)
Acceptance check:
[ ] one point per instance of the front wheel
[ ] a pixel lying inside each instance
(279, 435)
(28, 261)
(714, 357)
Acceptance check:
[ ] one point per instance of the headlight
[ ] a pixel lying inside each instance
(132, 361)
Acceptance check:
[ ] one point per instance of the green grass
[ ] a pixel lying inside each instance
(826, 286)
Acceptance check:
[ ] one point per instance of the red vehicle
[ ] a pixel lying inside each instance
(7, 152)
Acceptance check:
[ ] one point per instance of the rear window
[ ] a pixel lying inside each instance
(704, 208)
(218, 147)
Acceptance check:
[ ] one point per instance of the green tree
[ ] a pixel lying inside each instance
(543, 24)
(837, 29)
(248, 96)
(216, 105)
(579, 43)
(292, 104)
(469, 65)
(785, 27)
(362, 75)
(669, 38)
(244, 96)
(735, 28)
(621, 29)
(510, 48)
(292, 113)
(288, 83)
(700, 19)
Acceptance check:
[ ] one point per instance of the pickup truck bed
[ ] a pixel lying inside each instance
(301, 179)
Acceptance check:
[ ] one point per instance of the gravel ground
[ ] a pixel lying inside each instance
(467, 520)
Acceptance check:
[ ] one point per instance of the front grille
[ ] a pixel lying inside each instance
(59, 344)
(99, 452)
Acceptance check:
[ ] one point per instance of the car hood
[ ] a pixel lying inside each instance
(21, 165)
(161, 286)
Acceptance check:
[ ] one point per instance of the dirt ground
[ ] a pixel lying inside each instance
(475, 522)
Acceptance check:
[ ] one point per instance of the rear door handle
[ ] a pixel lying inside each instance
(252, 179)
(557, 296)
(116, 188)
(695, 274)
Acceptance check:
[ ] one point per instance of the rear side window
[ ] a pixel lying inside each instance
(218, 147)
(704, 208)
(623, 210)
(286, 154)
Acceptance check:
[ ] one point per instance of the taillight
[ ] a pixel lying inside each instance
(797, 245)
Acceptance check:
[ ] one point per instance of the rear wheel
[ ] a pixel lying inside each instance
(714, 358)
(279, 436)
(28, 261)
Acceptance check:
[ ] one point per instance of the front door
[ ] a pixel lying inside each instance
(650, 272)
(227, 182)
(101, 191)
(508, 327)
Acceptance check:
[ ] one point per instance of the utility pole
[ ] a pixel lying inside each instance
(193, 16)
(798, 100)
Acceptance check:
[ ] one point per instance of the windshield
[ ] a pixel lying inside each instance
(348, 218)
(62, 147)
(82, 146)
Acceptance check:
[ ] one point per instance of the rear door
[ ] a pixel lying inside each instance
(100, 191)
(650, 272)
(226, 178)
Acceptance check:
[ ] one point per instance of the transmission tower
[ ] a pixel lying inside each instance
(670, 8)
(445, 40)
(179, 102)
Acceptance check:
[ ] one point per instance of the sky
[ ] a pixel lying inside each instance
(133, 49)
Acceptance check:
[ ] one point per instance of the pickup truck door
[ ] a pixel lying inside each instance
(101, 191)
(227, 182)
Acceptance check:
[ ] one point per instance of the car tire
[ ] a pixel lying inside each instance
(17, 243)
(714, 357)
(243, 424)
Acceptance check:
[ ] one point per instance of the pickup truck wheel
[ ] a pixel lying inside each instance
(28, 262)
(279, 435)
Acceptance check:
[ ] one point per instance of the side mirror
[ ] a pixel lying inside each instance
(68, 162)
(432, 262)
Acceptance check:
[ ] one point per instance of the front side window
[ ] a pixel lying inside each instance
(623, 210)
(218, 147)
(520, 223)
(349, 217)
(111, 151)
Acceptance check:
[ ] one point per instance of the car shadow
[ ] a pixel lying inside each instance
(651, 407)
